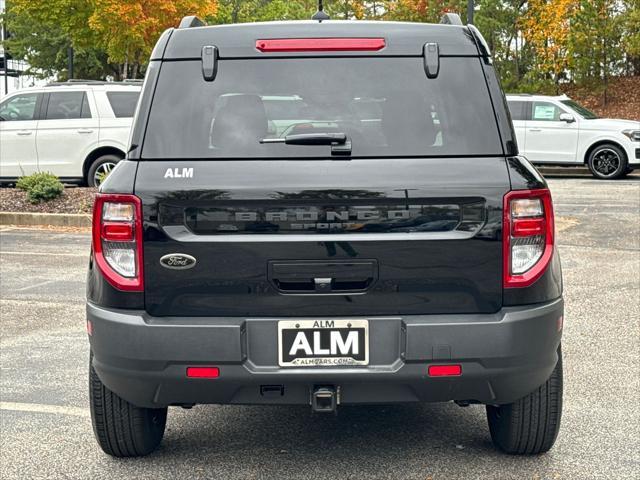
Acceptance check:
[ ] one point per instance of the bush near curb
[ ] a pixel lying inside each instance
(40, 187)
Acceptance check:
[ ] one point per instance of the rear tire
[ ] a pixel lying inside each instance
(122, 429)
(607, 162)
(100, 169)
(529, 426)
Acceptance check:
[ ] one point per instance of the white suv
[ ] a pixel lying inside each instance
(77, 130)
(558, 131)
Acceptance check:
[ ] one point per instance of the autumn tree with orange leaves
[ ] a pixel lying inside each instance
(128, 29)
(546, 26)
(537, 45)
(110, 37)
(423, 10)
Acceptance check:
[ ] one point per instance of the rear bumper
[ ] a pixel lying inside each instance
(504, 356)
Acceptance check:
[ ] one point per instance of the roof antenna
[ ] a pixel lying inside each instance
(320, 15)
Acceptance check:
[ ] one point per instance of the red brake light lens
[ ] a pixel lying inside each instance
(117, 232)
(117, 240)
(528, 236)
(320, 44)
(522, 227)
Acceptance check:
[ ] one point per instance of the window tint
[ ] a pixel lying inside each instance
(519, 110)
(545, 111)
(67, 105)
(20, 107)
(586, 113)
(386, 106)
(123, 104)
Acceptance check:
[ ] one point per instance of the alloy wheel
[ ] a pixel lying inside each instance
(102, 172)
(606, 162)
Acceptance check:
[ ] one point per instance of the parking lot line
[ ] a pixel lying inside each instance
(43, 408)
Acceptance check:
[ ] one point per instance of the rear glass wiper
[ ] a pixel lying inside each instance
(340, 144)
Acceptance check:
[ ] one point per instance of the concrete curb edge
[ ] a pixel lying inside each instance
(46, 219)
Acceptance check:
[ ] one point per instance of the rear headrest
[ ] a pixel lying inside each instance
(240, 123)
(407, 122)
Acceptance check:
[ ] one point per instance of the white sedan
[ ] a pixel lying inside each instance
(559, 131)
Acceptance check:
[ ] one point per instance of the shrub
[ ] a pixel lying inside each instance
(40, 187)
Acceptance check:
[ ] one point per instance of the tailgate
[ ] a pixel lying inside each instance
(282, 238)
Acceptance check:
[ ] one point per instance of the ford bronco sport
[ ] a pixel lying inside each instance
(325, 214)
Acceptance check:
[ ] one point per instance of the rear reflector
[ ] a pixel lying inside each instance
(203, 372)
(445, 370)
(320, 44)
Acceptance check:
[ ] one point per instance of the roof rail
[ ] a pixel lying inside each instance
(451, 19)
(191, 21)
(79, 81)
(82, 80)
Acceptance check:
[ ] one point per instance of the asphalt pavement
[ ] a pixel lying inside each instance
(45, 430)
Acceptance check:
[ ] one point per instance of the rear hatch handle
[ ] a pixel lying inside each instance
(302, 277)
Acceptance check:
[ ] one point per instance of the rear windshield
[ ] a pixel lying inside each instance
(386, 106)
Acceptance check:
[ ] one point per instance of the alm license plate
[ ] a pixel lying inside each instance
(316, 343)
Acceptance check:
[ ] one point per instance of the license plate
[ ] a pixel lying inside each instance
(316, 343)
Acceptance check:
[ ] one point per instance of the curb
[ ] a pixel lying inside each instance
(46, 219)
(579, 171)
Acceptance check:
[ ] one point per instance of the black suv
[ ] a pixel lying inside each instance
(323, 213)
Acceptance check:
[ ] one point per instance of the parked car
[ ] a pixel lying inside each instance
(559, 131)
(401, 251)
(77, 130)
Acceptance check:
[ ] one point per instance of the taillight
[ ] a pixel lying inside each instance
(528, 236)
(117, 240)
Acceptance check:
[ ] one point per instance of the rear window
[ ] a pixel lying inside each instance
(387, 107)
(519, 110)
(123, 104)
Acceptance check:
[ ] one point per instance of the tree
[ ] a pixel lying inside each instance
(546, 25)
(630, 23)
(424, 10)
(46, 50)
(498, 22)
(109, 37)
(128, 29)
(60, 24)
(239, 11)
(594, 42)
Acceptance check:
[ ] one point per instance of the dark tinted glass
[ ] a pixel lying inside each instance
(67, 105)
(586, 113)
(519, 110)
(123, 104)
(387, 107)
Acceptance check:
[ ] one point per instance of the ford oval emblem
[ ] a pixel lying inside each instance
(178, 261)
